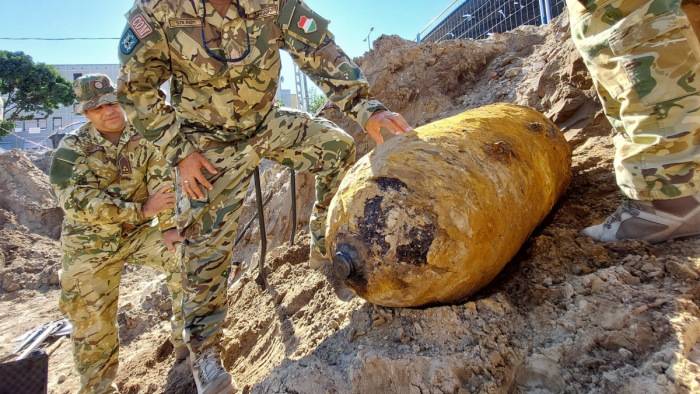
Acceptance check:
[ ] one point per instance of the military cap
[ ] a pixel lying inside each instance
(93, 90)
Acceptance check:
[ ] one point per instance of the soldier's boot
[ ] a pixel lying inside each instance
(181, 352)
(209, 375)
(651, 221)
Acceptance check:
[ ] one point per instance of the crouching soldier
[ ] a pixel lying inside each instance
(111, 184)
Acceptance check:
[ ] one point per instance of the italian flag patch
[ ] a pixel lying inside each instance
(308, 24)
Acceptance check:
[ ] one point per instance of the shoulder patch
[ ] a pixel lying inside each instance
(302, 23)
(307, 24)
(140, 26)
(128, 42)
(62, 166)
(66, 155)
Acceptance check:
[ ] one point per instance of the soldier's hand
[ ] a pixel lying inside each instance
(391, 121)
(171, 237)
(160, 201)
(191, 173)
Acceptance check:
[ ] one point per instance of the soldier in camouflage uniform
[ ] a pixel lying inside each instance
(224, 60)
(103, 175)
(644, 57)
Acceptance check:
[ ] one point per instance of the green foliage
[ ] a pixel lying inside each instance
(316, 100)
(31, 90)
(6, 127)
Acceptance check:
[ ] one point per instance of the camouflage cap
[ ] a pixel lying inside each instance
(93, 90)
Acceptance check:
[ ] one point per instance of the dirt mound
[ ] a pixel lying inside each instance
(26, 192)
(30, 221)
(41, 159)
(566, 315)
(27, 261)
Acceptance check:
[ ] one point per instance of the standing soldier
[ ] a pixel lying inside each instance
(224, 60)
(644, 57)
(103, 174)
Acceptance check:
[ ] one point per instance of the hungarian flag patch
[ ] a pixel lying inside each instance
(307, 24)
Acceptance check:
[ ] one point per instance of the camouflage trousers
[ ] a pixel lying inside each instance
(291, 138)
(644, 57)
(89, 297)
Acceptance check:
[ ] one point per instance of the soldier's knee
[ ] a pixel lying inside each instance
(69, 300)
(346, 147)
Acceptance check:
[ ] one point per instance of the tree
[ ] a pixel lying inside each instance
(316, 101)
(31, 90)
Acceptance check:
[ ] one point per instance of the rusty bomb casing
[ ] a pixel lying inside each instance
(433, 215)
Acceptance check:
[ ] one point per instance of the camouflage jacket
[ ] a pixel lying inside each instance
(101, 186)
(225, 100)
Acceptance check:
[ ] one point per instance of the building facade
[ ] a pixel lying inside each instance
(287, 98)
(478, 19)
(44, 132)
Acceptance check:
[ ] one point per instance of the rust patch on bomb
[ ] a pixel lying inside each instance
(372, 225)
(416, 252)
(386, 183)
(549, 128)
(535, 127)
(500, 151)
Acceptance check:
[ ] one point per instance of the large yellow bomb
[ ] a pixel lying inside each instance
(433, 215)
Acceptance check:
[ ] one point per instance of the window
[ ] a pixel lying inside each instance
(32, 126)
(57, 123)
(42, 124)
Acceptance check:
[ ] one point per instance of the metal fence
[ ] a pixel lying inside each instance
(480, 18)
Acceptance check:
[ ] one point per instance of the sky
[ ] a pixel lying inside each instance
(351, 22)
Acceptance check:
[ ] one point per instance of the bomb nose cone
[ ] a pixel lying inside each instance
(343, 266)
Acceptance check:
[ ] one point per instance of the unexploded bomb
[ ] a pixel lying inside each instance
(432, 216)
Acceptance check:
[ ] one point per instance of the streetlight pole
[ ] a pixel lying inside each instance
(369, 43)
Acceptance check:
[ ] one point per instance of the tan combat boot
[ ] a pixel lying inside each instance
(651, 221)
(209, 375)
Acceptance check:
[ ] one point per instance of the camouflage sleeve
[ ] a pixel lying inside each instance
(145, 65)
(312, 46)
(78, 191)
(158, 176)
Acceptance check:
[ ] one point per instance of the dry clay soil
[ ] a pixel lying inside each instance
(565, 316)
